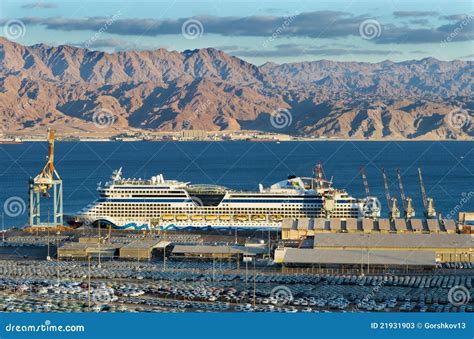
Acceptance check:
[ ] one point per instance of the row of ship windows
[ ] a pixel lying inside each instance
(290, 215)
(143, 192)
(214, 210)
(112, 206)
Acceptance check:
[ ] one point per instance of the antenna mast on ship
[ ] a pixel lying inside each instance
(321, 182)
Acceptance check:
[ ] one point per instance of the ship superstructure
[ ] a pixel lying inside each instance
(161, 203)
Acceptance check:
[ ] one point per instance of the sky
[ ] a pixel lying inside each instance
(257, 31)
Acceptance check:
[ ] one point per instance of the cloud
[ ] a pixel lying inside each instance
(113, 44)
(421, 22)
(40, 5)
(415, 14)
(99, 43)
(293, 50)
(455, 17)
(320, 24)
(469, 56)
(458, 31)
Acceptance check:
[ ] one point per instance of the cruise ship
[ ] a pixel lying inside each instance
(159, 203)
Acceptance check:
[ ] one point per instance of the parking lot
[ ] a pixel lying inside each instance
(203, 286)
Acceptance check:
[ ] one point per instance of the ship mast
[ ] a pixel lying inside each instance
(320, 178)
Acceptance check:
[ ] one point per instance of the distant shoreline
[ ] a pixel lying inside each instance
(249, 141)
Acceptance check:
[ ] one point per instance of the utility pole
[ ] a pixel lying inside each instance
(269, 245)
(246, 271)
(57, 255)
(49, 257)
(164, 257)
(213, 267)
(89, 283)
(100, 240)
(254, 284)
(3, 227)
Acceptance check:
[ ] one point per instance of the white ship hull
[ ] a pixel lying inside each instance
(168, 204)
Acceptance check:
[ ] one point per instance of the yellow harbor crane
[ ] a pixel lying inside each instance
(428, 203)
(40, 186)
(392, 204)
(406, 201)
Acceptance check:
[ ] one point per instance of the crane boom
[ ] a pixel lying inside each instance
(423, 191)
(392, 204)
(402, 191)
(45, 178)
(428, 203)
(407, 202)
(364, 179)
(387, 190)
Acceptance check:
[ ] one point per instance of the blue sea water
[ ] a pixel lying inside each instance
(448, 167)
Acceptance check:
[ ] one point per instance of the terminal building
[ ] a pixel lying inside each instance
(299, 228)
(377, 243)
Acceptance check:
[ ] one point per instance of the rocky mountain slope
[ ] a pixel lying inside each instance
(81, 91)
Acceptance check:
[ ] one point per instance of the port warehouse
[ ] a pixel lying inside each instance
(143, 249)
(301, 247)
(380, 250)
(297, 228)
(147, 249)
(381, 242)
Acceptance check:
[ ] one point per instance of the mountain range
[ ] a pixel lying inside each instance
(79, 91)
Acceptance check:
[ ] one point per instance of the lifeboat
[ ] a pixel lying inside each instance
(167, 217)
(224, 217)
(241, 217)
(259, 217)
(277, 217)
(181, 217)
(196, 217)
(211, 217)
